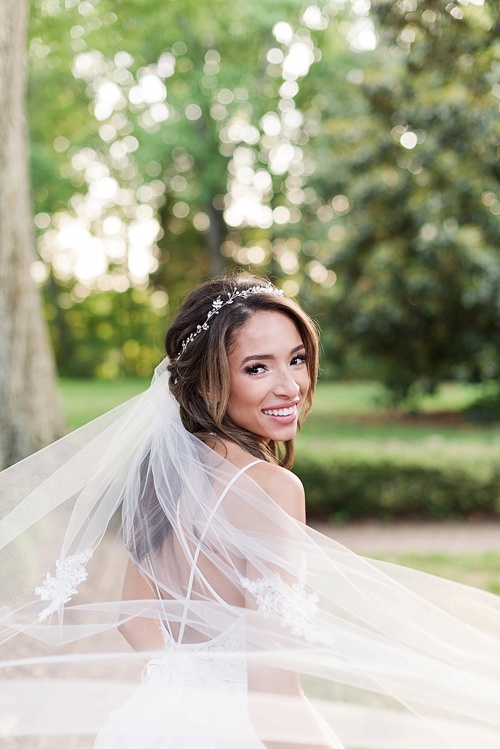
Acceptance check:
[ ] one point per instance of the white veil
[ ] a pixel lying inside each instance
(242, 602)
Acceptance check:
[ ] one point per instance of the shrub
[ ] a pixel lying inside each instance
(347, 482)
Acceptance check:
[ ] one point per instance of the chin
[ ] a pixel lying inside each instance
(278, 434)
(281, 435)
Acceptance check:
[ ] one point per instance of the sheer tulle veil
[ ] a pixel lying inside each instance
(243, 602)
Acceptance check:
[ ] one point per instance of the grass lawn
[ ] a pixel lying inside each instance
(84, 400)
(479, 570)
(356, 410)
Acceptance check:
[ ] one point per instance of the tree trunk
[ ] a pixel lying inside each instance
(214, 238)
(30, 414)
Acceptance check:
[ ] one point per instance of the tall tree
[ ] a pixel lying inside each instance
(29, 410)
(418, 267)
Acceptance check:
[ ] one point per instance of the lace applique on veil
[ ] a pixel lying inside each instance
(291, 604)
(59, 589)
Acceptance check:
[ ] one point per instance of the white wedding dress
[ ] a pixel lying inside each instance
(248, 599)
(193, 695)
(187, 699)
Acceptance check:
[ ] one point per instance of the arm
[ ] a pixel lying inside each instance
(143, 633)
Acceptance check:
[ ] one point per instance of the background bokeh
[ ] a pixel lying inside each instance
(349, 149)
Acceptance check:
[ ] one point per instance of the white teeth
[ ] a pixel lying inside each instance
(280, 411)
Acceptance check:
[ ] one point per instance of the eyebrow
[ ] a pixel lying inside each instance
(269, 356)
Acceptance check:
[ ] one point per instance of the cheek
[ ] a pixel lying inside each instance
(304, 381)
(246, 393)
(238, 394)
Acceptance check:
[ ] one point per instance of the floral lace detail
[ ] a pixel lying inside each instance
(70, 572)
(295, 607)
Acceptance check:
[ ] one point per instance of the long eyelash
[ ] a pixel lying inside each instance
(252, 368)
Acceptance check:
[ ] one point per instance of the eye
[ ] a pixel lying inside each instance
(255, 369)
(299, 359)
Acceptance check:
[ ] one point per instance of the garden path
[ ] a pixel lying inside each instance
(424, 537)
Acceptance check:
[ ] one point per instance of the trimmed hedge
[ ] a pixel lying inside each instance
(346, 482)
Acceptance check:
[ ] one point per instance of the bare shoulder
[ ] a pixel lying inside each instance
(283, 486)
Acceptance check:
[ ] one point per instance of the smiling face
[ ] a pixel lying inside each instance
(269, 379)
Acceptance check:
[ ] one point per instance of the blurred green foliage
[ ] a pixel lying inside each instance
(419, 266)
(151, 118)
(348, 482)
(107, 335)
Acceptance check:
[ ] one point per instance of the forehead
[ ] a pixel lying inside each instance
(266, 330)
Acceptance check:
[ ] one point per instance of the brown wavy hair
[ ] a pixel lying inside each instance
(203, 366)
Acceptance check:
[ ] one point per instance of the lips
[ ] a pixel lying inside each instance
(289, 411)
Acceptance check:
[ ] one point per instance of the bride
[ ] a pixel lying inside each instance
(160, 588)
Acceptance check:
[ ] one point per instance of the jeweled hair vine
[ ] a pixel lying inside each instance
(220, 302)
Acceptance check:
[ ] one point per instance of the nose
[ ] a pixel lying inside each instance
(286, 385)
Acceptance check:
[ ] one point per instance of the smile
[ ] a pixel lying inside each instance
(280, 411)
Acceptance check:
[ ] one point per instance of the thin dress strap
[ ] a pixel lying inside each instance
(200, 543)
(164, 623)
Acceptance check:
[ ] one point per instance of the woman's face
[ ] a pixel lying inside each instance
(268, 376)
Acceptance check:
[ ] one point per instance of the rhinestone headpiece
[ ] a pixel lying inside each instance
(221, 302)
